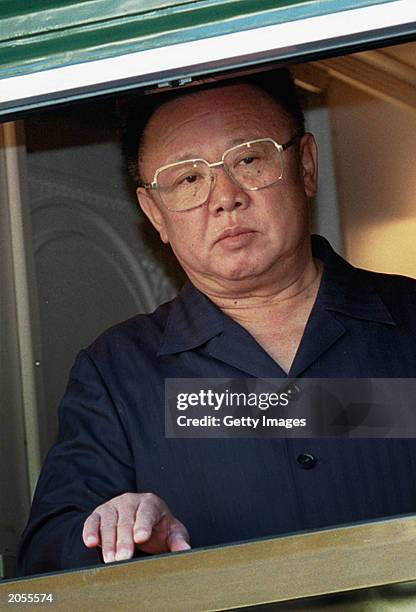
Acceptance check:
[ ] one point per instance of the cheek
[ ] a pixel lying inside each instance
(285, 212)
(184, 237)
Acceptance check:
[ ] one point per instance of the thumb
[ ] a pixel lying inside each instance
(178, 540)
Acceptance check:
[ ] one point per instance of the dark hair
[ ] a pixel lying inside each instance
(135, 111)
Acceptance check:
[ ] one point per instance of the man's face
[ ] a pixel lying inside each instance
(270, 225)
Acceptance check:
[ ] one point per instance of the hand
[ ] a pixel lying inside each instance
(131, 519)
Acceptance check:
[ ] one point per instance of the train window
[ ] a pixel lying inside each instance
(77, 257)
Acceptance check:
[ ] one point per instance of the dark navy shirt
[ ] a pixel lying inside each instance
(112, 438)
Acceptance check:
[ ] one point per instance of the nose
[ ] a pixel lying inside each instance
(226, 195)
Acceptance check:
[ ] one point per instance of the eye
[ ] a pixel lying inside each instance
(247, 160)
(187, 179)
(191, 178)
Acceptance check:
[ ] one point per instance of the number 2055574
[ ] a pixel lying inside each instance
(22, 598)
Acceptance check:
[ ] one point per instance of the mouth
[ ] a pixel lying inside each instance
(231, 234)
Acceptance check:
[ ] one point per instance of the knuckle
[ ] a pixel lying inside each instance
(179, 528)
(125, 522)
(151, 498)
(107, 534)
(103, 509)
(90, 520)
(125, 497)
(126, 542)
(109, 517)
(108, 542)
(128, 502)
(115, 502)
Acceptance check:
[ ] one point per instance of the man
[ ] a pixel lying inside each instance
(226, 174)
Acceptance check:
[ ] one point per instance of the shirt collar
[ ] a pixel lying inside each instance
(346, 289)
(193, 319)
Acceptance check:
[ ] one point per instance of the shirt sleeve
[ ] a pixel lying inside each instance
(90, 464)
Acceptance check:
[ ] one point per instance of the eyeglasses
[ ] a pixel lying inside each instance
(252, 165)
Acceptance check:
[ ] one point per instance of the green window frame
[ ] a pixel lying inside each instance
(58, 50)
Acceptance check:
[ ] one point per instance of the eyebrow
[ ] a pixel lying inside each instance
(190, 155)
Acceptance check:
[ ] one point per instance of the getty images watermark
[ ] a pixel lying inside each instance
(297, 408)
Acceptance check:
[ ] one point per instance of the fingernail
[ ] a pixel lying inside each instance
(109, 557)
(122, 554)
(179, 545)
(91, 540)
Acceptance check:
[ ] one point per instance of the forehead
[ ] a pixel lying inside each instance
(197, 121)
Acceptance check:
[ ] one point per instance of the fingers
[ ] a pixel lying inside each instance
(178, 538)
(91, 531)
(111, 527)
(100, 529)
(156, 530)
(132, 519)
(125, 544)
(108, 529)
(149, 513)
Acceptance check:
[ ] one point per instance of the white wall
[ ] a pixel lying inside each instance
(374, 154)
(325, 207)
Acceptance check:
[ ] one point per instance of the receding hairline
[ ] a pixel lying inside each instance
(135, 112)
(198, 94)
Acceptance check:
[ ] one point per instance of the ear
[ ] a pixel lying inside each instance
(309, 164)
(152, 212)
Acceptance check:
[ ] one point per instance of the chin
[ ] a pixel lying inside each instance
(240, 273)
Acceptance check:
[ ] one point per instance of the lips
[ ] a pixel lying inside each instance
(231, 232)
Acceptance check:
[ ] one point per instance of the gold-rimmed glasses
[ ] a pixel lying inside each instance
(252, 165)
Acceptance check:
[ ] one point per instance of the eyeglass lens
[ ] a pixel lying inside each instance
(251, 165)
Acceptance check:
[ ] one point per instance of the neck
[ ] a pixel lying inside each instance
(290, 281)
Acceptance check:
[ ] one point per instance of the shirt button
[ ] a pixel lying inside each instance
(306, 461)
(293, 392)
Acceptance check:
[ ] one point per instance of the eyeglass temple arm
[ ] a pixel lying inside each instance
(288, 144)
(146, 185)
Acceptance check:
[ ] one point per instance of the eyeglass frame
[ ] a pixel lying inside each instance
(280, 148)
